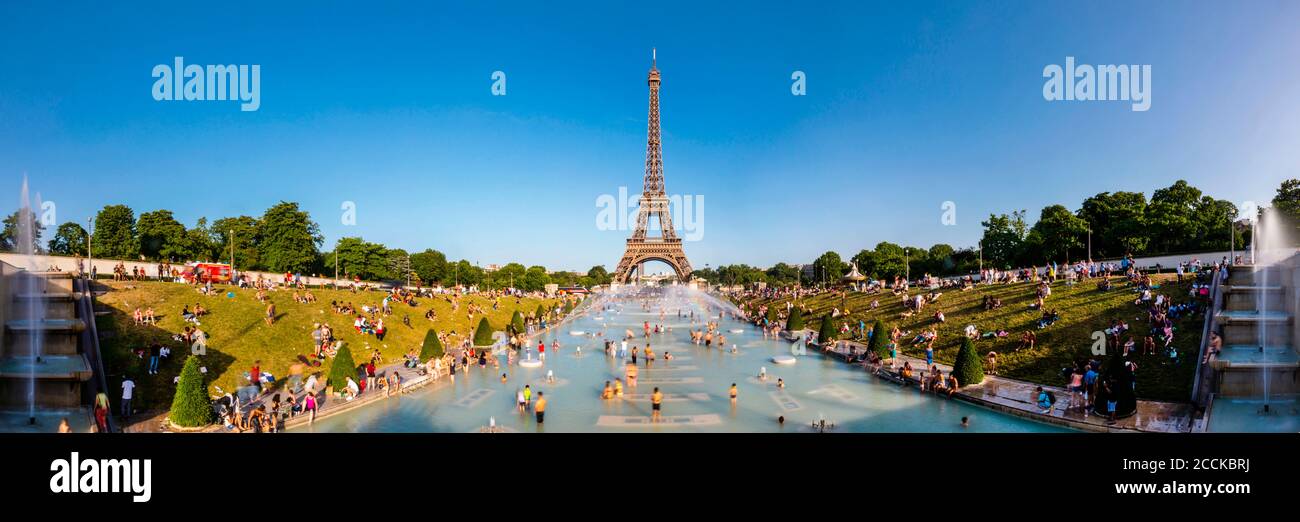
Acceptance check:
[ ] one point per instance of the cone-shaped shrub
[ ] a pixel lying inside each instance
(772, 316)
(969, 367)
(432, 347)
(568, 306)
(795, 321)
(517, 323)
(483, 335)
(826, 333)
(541, 311)
(878, 342)
(342, 368)
(191, 407)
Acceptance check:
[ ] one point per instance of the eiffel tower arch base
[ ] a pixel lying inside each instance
(669, 253)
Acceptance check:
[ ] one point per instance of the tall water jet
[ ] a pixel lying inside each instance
(30, 284)
(1269, 247)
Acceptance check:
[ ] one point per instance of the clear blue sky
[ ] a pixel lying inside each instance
(909, 104)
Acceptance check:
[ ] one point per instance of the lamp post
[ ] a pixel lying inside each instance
(90, 257)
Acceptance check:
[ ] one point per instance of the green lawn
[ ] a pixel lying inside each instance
(237, 335)
(1083, 309)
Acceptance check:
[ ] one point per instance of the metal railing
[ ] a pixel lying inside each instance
(1200, 390)
(90, 344)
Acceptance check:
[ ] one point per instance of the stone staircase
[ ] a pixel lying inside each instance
(1259, 329)
(39, 309)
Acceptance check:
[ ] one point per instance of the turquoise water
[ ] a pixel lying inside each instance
(1245, 415)
(695, 384)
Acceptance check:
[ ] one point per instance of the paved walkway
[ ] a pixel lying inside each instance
(1018, 398)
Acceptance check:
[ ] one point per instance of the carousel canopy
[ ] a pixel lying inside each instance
(853, 274)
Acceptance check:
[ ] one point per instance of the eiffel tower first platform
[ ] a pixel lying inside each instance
(640, 247)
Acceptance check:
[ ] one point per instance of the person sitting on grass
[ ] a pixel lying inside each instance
(1027, 340)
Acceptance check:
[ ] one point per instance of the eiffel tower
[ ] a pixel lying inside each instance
(640, 247)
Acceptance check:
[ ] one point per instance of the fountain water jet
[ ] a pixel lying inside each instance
(30, 284)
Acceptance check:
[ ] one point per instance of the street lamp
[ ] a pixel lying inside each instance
(90, 258)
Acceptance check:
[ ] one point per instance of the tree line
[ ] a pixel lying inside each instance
(1176, 219)
(283, 239)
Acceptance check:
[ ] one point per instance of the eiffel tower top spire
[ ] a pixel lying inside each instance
(654, 161)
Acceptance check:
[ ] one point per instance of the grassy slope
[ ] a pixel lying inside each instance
(1083, 309)
(237, 335)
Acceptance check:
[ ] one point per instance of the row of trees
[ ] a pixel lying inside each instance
(1178, 218)
(283, 239)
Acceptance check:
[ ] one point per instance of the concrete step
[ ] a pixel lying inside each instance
(1254, 297)
(1249, 333)
(52, 367)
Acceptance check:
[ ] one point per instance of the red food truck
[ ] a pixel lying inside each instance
(207, 272)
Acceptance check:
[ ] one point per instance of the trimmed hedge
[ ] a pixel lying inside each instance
(969, 367)
(191, 407)
(483, 335)
(772, 315)
(432, 347)
(795, 321)
(877, 343)
(826, 333)
(342, 368)
(517, 323)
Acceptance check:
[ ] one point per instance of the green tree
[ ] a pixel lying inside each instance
(432, 346)
(69, 239)
(161, 236)
(289, 239)
(599, 275)
(1118, 223)
(483, 334)
(783, 274)
(535, 279)
(191, 407)
(430, 265)
(886, 261)
(357, 257)
(795, 321)
(826, 333)
(1287, 201)
(1057, 233)
(828, 268)
(201, 243)
(877, 342)
(772, 315)
(1170, 217)
(969, 367)
(243, 234)
(517, 323)
(942, 260)
(9, 237)
(1004, 237)
(342, 368)
(114, 235)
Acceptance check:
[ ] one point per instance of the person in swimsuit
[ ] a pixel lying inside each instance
(656, 401)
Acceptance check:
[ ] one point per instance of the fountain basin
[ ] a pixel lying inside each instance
(1242, 355)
